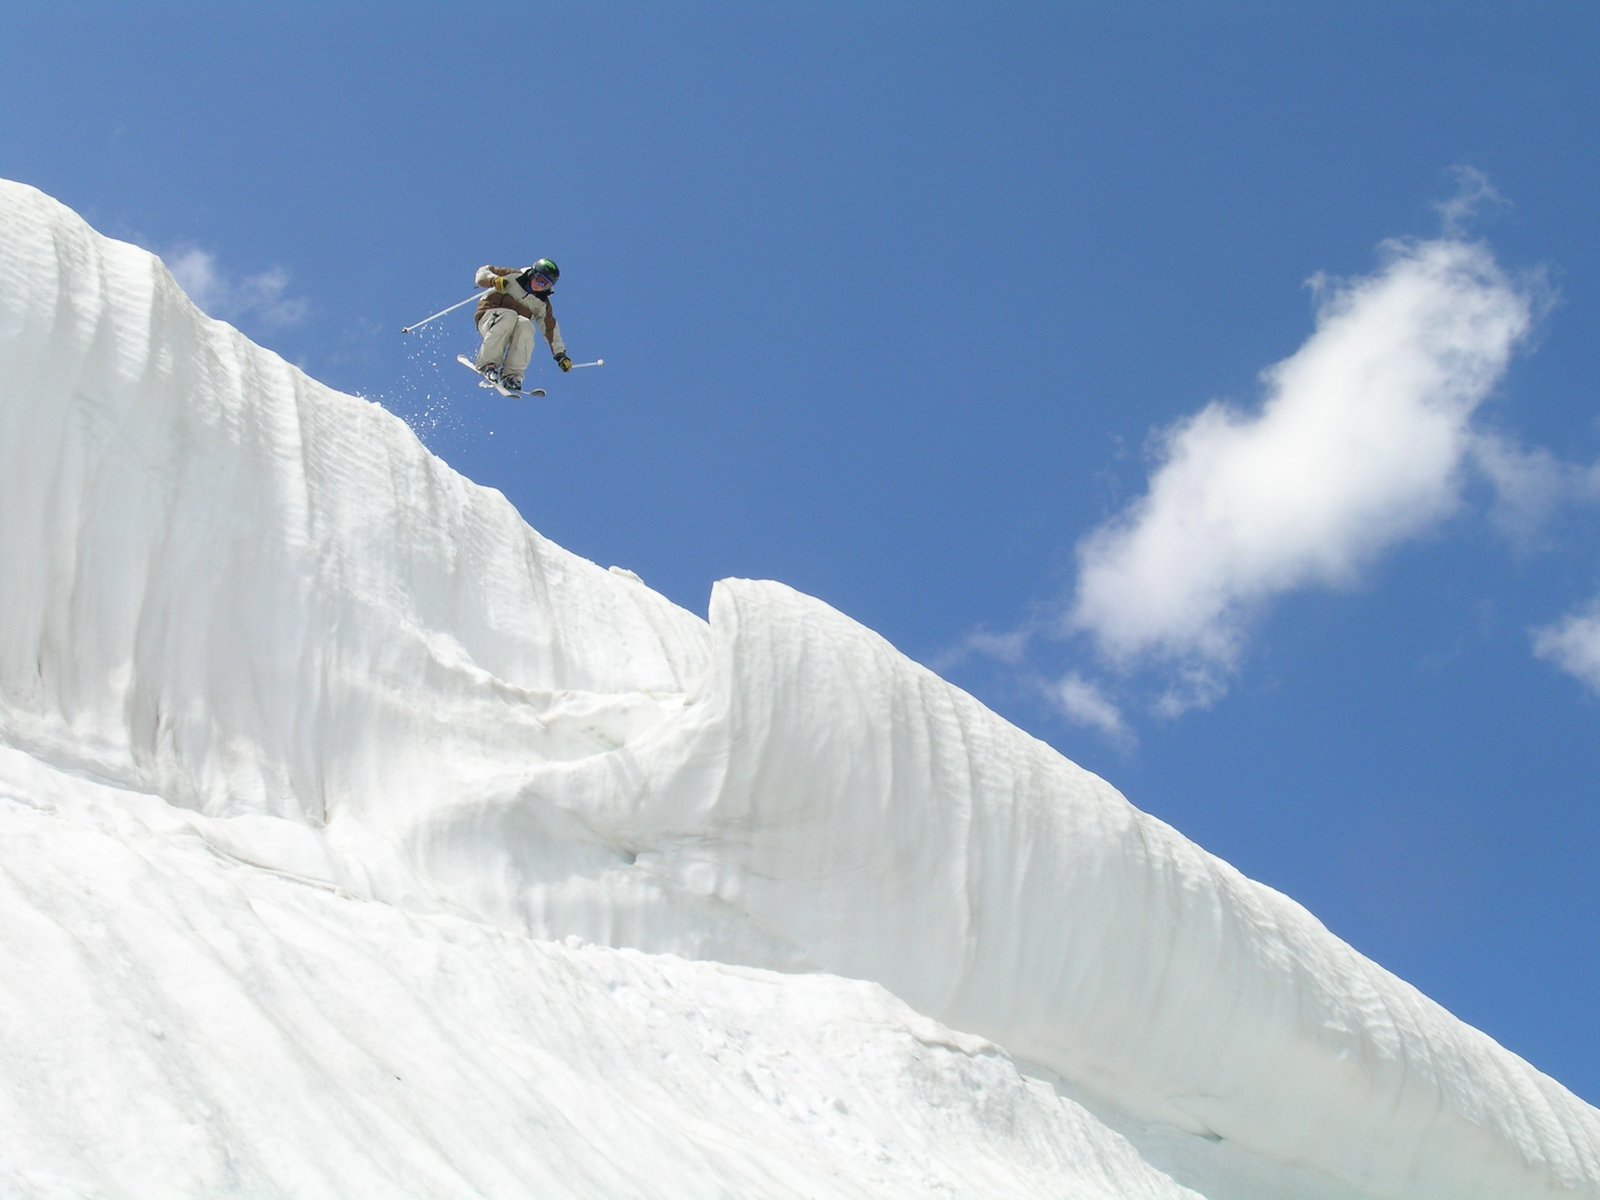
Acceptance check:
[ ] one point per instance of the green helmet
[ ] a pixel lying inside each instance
(548, 270)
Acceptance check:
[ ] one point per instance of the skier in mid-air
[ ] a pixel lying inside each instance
(517, 298)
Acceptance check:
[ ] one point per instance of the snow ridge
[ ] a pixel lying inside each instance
(328, 655)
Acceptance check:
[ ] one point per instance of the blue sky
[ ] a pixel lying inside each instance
(1021, 333)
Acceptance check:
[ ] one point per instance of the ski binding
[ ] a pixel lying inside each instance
(484, 383)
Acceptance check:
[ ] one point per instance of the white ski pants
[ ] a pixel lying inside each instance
(507, 341)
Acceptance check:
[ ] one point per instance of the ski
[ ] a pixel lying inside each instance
(504, 391)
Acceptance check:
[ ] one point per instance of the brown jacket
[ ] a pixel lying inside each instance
(520, 300)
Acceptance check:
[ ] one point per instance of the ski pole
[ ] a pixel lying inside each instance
(440, 313)
(599, 362)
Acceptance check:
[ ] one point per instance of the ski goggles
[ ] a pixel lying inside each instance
(541, 282)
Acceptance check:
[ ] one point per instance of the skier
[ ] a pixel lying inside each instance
(505, 317)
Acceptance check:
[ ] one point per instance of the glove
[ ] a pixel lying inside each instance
(563, 362)
(501, 282)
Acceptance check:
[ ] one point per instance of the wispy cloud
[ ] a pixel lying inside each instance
(1359, 444)
(1473, 194)
(1573, 644)
(1530, 486)
(1009, 648)
(262, 297)
(1085, 703)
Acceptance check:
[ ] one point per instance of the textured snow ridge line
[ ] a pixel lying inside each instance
(175, 1025)
(896, 830)
(228, 584)
(823, 803)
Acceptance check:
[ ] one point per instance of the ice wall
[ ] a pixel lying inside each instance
(232, 585)
(267, 603)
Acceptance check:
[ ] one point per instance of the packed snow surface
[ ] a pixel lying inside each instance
(357, 840)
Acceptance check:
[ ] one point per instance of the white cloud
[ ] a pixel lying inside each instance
(1084, 703)
(1473, 192)
(1573, 644)
(1008, 648)
(1530, 486)
(262, 297)
(196, 273)
(1359, 444)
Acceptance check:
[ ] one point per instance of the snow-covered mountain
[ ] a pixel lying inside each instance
(360, 842)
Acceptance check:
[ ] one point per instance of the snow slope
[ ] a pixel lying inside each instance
(317, 766)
